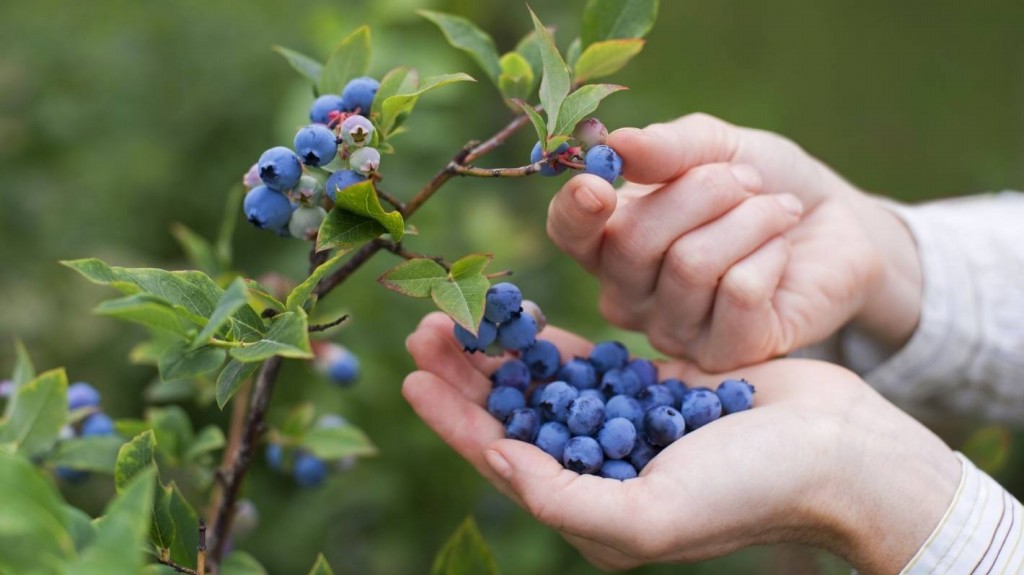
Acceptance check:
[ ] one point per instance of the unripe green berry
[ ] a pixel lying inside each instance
(305, 222)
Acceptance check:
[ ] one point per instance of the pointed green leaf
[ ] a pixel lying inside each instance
(331, 443)
(321, 567)
(465, 553)
(462, 299)
(23, 373)
(134, 458)
(350, 59)
(529, 48)
(535, 120)
(401, 80)
(517, 79)
(554, 84)
(79, 526)
(473, 264)
(232, 204)
(233, 298)
(396, 108)
(172, 429)
(40, 409)
(231, 379)
(303, 64)
(606, 58)
(298, 297)
(148, 310)
(210, 438)
(361, 199)
(34, 528)
(466, 36)
(241, 563)
(197, 249)
(178, 362)
(287, 337)
(414, 278)
(613, 19)
(572, 54)
(186, 527)
(97, 454)
(260, 298)
(161, 532)
(344, 230)
(582, 103)
(118, 546)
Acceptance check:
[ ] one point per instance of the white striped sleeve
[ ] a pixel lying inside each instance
(981, 532)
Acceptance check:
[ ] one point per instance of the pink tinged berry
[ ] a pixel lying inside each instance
(531, 308)
(590, 132)
(365, 161)
(251, 179)
(309, 189)
(357, 131)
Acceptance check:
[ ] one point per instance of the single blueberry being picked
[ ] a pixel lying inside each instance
(543, 359)
(617, 437)
(583, 455)
(340, 180)
(603, 162)
(280, 168)
(554, 402)
(316, 145)
(267, 209)
(522, 424)
(513, 373)
(609, 355)
(579, 373)
(546, 169)
(503, 300)
(358, 94)
(518, 333)
(485, 335)
(586, 414)
(552, 438)
(81, 394)
(503, 401)
(589, 133)
(664, 425)
(735, 395)
(700, 407)
(617, 469)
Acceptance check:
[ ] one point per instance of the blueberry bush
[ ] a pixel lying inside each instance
(218, 336)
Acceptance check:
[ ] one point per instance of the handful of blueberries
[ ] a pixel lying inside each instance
(604, 414)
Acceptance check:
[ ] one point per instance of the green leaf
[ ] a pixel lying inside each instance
(572, 54)
(344, 230)
(186, 527)
(298, 420)
(210, 438)
(401, 80)
(321, 567)
(34, 527)
(582, 103)
(118, 546)
(471, 265)
(97, 454)
(161, 532)
(79, 526)
(172, 429)
(232, 204)
(23, 373)
(179, 362)
(396, 108)
(554, 84)
(536, 121)
(465, 553)
(260, 298)
(613, 19)
(134, 458)
(463, 299)
(466, 36)
(241, 563)
(303, 64)
(332, 443)
(40, 409)
(298, 297)
(361, 199)
(606, 58)
(197, 249)
(234, 298)
(171, 391)
(529, 48)
(350, 59)
(414, 278)
(231, 379)
(287, 337)
(148, 310)
(517, 79)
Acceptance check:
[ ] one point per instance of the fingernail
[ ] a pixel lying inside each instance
(747, 176)
(791, 204)
(587, 200)
(498, 463)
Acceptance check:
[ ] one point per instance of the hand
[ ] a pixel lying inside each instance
(821, 459)
(733, 245)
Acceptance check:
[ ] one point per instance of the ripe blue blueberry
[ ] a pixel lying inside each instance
(645, 370)
(503, 401)
(627, 407)
(513, 373)
(583, 455)
(642, 454)
(617, 437)
(664, 425)
(536, 395)
(485, 335)
(316, 145)
(267, 209)
(603, 162)
(554, 402)
(357, 131)
(655, 395)
(81, 394)
(678, 388)
(586, 414)
(98, 424)
(608, 355)
(617, 469)
(364, 161)
(275, 456)
(735, 395)
(280, 168)
(537, 154)
(344, 369)
(518, 333)
(522, 424)
(322, 107)
(620, 382)
(579, 373)
(305, 222)
(358, 94)
(340, 180)
(700, 407)
(595, 393)
(543, 359)
(552, 438)
(309, 470)
(503, 300)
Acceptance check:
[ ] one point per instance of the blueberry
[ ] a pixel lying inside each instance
(305, 222)
(316, 145)
(579, 373)
(554, 402)
(609, 355)
(522, 424)
(251, 179)
(280, 168)
(358, 94)
(735, 395)
(655, 395)
(620, 382)
(364, 161)
(664, 425)
(518, 333)
(503, 401)
(642, 454)
(536, 395)
(617, 437)
(595, 393)
(586, 414)
(485, 335)
(322, 107)
(552, 438)
(645, 370)
(309, 470)
(344, 369)
(81, 394)
(543, 359)
(71, 475)
(357, 131)
(340, 180)
(98, 424)
(267, 209)
(700, 407)
(627, 407)
(309, 189)
(537, 154)
(503, 300)
(603, 162)
(678, 388)
(617, 469)
(583, 455)
(589, 133)
(513, 373)
(275, 456)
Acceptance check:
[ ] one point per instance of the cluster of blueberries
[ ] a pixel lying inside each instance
(283, 196)
(598, 159)
(81, 395)
(604, 414)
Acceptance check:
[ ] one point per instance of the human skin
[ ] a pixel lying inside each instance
(820, 459)
(730, 245)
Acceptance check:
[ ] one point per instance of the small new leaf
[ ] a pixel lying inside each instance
(300, 295)
(606, 58)
(350, 59)
(231, 379)
(134, 458)
(465, 553)
(414, 278)
(321, 567)
(517, 79)
(23, 373)
(303, 64)
(613, 19)
(401, 80)
(581, 104)
(233, 298)
(197, 249)
(397, 108)
(40, 409)
(466, 36)
(287, 337)
(361, 199)
(554, 85)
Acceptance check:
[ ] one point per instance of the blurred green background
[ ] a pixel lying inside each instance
(118, 118)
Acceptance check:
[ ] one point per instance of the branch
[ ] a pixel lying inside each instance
(397, 203)
(398, 250)
(497, 172)
(326, 326)
(201, 551)
(176, 567)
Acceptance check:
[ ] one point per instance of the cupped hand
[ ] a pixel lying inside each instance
(820, 459)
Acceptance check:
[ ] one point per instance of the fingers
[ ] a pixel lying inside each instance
(663, 152)
(434, 349)
(576, 217)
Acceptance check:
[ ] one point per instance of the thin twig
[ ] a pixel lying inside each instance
(501, 274)
(176, 567)
(326, 326)
(397, 203)
(201, 551)
(519, 172)
(399, 250)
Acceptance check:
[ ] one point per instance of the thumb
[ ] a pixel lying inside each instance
(577, 215)
(663, 152)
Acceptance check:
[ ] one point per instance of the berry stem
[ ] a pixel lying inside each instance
(571, 164)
